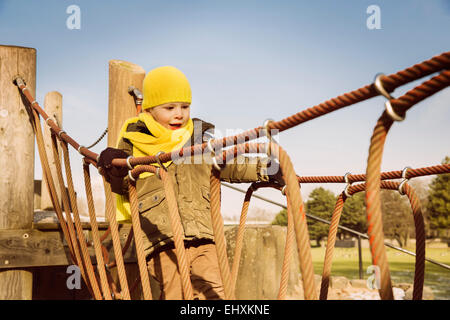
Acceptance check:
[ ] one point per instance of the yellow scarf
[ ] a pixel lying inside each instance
(163, 139)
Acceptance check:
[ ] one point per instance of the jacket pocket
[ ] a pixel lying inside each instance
(206, 196)
(153, 216)
(151, 200)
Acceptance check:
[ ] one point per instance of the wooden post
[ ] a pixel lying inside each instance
(53, 108)
(16, 160)
(121, 107)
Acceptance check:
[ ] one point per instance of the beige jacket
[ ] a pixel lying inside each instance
(191, 183)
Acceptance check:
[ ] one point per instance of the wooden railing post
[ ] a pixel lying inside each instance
(16, 161)
(122, 74)
(53, 108)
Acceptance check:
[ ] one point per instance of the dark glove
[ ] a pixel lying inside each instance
(276, 177)
(105, 161)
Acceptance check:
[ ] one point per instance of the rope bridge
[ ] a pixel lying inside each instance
(98, 278)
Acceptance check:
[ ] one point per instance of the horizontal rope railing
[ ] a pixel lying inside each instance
(391, 82)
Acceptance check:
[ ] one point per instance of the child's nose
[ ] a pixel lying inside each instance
(178, 113)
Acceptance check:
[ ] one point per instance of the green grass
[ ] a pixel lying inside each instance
(401, 266)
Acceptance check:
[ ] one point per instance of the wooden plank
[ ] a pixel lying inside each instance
(34, 248)
(16, 159)
(56, 226)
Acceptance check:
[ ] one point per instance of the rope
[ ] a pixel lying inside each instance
(301, 229)
(411, 173)
(419, 229)
(68, 234)
(240, 237)
(290, 241)
(84, 261)
(177, 229)
(135, 220)
(330, 247)
(391, 82)
(374, 217)
(110, 214)
(219, 237)
(95, 234)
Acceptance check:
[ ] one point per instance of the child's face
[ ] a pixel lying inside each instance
(173, 115)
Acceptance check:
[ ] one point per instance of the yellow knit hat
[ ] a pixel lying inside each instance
(163, 85)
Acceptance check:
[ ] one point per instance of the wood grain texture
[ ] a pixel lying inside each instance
(121, 107)
(16, 159)
(47, 247)
(53, 108)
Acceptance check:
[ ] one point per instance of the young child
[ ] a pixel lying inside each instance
(165, 125)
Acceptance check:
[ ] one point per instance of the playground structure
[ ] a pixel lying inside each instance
(18, 72)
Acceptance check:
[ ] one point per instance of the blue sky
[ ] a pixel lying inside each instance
(248, 61)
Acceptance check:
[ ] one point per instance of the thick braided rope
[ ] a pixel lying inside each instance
(330, 246)
(76, 216)
(301, 228)
(411, 173)
(65, 202)
(425, 68)
(290, 242)
(178, 235)
(373, 206)
(138, 234)
(50, 183)
(84, 261)
(95, 234)
(435, 64)
(70, 237)
(419, 229)
(419, 273)
(240, 238)
(390, 82)
(219, 237)
(374, 217)
(125, 292)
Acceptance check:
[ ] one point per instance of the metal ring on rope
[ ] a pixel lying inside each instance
(60, 133)
(348, 185)
(128, 163)
(159, 160)
(405, 180)
(283, 190)
(390, 111)
(388, 106)
(213, 155)
(379, 87)
(131, 176)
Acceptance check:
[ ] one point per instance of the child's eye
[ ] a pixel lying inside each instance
(169, 108)
(185, 106)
